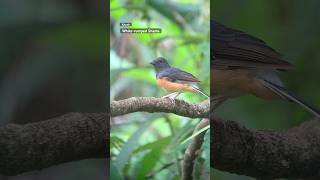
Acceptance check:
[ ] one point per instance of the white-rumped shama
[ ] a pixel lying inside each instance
(242, 64)
(173, 79)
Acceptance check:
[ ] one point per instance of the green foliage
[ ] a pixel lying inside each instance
(128, 147)
(154, 151)
(196, 134)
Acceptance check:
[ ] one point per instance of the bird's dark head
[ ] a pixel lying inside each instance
(160, 63)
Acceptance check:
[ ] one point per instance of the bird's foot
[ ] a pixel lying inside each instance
(172, 96)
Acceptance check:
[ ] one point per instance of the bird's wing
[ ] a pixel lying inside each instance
(177, 75)
(232, 48)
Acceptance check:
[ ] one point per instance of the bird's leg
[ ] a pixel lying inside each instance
(175, 94)
(172, 96)
(178, 93)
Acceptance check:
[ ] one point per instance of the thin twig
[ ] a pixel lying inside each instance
(193, 150)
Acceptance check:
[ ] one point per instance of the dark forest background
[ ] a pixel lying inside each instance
(53, 61)
(293, 29)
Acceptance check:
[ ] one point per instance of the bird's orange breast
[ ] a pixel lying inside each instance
(233, 83)
(172, 86)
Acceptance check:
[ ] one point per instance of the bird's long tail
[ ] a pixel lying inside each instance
(197, 89)
(284, 93)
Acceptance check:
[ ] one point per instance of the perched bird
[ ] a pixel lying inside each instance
(175, 80)
(242, 64)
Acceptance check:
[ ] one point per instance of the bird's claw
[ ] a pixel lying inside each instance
(171, 96)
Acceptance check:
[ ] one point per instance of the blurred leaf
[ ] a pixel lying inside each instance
(124, 156)
(118, 86)
(144, 74)
(196, 134)
(152, 158)
(117, 9)
(159, 143)
(166, 8)
(114, 172)
(192, 39)
(118, 63)
(116, 142)
(180, 135)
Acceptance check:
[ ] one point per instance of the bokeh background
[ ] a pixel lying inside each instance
(141, 143)
(53, 61)
(293, 29)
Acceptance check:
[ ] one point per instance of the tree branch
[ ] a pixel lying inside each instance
(35, 146)
(294, 153)
(75, 136)
(152, 104)
(192, 151)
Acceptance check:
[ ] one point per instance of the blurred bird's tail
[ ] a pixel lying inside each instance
(197, 89)
(284, 93)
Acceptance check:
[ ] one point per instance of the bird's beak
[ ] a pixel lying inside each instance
(152, 63)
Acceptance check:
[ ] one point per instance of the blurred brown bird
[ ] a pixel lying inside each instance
(242, 64)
